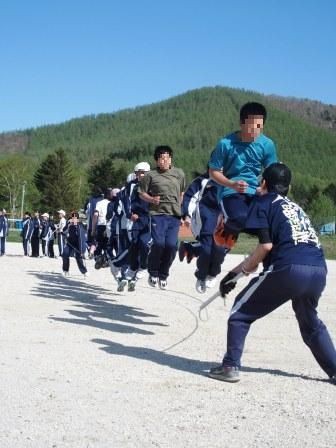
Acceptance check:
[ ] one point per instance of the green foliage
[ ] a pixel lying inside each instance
(191, 124)
(14, 174)
(56, 182)
(322, 210)
(105, 174)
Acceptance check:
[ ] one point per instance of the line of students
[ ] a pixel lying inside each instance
(41, 232)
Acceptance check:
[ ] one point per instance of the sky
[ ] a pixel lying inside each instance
(69, 58)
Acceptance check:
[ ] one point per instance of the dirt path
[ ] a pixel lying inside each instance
(85, 366)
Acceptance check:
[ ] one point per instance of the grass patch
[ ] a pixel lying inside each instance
(246, 244)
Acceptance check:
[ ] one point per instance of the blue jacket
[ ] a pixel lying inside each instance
(208, 199)
(4, 225)
(27, 229)
(132, 202)
(76, 237)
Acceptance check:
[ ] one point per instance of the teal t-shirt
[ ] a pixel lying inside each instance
(242, 161)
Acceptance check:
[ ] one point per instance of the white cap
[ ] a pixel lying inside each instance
(142, 166)
(46, 215)
(61, 212)
(115, 191)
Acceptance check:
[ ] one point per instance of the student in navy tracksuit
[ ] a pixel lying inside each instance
(294, 269)
(75, 244)
(3, 231)
(202, 193)
(89, 209)
(123, 237)
(112, 244)
(137, 212)
(26, 232)
(35, 236)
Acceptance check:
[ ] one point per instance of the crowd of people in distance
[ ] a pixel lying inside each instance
(134, 230)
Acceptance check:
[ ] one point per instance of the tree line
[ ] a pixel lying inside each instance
(103, 148)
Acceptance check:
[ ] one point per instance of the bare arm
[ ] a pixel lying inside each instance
(148, 198)
(252, 261)
(238, 185)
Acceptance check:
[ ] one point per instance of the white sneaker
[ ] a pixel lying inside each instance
(163, 284)
(210, 281)
(140, 273)
(121, 284)
(86, 275)
(153, 281)
(66, 274)
(200, 286)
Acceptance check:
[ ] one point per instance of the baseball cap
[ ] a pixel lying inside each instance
(142, 166)
(61, 212)
(46, 215)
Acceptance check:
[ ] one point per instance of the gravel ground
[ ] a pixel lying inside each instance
(85, 366)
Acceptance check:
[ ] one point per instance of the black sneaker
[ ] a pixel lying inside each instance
(333, 379)
(99, 262)
(225, 373)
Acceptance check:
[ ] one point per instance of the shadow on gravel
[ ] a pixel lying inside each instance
(194, 366)
(277, 372)
(93, 308)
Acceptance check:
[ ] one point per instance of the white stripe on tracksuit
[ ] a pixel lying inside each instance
(250, 291)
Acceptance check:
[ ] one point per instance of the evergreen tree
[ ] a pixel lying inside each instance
(106, 173)
(55, 180)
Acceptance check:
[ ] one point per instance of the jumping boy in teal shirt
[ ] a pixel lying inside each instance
(236, 164)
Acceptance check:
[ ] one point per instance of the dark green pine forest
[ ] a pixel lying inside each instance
(191, 123)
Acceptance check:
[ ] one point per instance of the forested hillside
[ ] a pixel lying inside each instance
(191, 123)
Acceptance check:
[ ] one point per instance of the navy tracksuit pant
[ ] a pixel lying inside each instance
(235, 210)
(69, 252)
(303, 285)
(2, 245)
(164, 233)
(210, 256)
(138, 251)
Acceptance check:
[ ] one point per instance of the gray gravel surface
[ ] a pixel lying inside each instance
(85, 366)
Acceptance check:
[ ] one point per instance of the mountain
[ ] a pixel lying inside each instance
(304, 131)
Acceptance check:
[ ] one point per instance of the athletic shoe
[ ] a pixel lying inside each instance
(200, 286)
(183, 251)
(99, 262)
(153, 281)
(333, 379)
(121, 284)
(131, 285)
(210, 281)
(163, 284)
(86, 275)
(225, 373)
(66, 274)
(140, 273)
